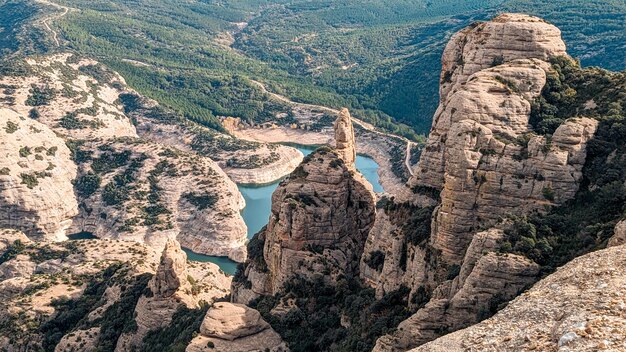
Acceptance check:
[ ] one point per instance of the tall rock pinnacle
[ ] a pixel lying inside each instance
(344, 138)
(171, 276)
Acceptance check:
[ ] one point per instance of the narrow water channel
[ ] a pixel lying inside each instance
(258, 206)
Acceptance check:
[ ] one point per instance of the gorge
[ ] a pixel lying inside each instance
(127, 225)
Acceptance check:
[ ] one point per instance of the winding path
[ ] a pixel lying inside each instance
(365, 125)
(53, 17)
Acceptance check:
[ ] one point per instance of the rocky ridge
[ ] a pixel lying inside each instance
(126, 187)
(482, 162)
(36, 170)
(581, 307)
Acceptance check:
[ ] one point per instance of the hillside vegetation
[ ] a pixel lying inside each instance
(381, 59)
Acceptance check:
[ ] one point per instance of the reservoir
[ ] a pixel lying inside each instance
(259, 202)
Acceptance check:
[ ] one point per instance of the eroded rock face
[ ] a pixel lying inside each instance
(486, 279)
(321, 216)
(481, 153)
(493, 164)
(578, 308)
(344, 138)
(169, 288)
(36, 174)
(481, 163)
(171, 275)
(236, 328)
(124, 271)
(150, 193)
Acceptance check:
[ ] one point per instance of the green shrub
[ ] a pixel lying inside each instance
(376, 260)
(87, 184)
(34, 114)
(11, 127)
(201, 202)
(25, 151)
(40, 95)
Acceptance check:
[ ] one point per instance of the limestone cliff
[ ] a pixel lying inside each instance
(235, 328)
(136, 190)
(321, 216)
(483, 162)
(36, 173)
(578, 308)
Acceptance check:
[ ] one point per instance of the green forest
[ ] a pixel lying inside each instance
(379, 58)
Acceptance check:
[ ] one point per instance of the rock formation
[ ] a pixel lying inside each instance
(169, 288)
(106, 282)
(36, 173)
(320, 218)
(235, 328)
(619, 235)
(344, 138)
(581, 307)
(482, 162)
(486, 279)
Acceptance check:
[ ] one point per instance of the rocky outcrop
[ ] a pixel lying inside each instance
(169, 288)
(320, 218)
(482, 154)
(507, 37)
(36, 174)
(485, 280)
(75, 97)
(345, 144)
(580, 307)
(119, 191)
(281, 160)
(482, 162)
(97, 282)
(235, 328)
(493, 164)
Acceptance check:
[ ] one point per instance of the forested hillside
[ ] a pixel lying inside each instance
(379, 58)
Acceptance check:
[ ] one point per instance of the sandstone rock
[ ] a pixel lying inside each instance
(36, 173)
(583, 298)
(236, 328)
(505, 38)
(320, 218)
(170, 288)
(171, 275)
(485, 280)
(345, 144)
(229, 321)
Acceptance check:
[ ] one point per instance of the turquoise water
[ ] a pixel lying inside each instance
(259, 203)
(82, 236)
(227, 265)
(258, 206)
